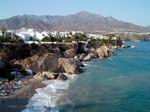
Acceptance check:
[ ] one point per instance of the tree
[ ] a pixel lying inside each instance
(48, 38)
(79, 37)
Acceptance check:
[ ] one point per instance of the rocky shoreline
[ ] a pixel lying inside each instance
(29, 72)
(50, 65)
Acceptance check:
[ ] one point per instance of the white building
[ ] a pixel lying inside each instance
(97, 36)
(64, 34)
(31, 34)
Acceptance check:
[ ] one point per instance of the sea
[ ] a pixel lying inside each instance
(120, 83)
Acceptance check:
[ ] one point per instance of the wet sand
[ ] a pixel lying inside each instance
(18, 101)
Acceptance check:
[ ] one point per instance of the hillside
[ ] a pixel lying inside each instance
(83, 21)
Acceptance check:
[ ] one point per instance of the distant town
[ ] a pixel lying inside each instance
(30, 36)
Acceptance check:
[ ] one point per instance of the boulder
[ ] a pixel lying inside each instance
(68, 66)
(44, 75)
(76, 57)
(39, 76)
(55, 76)
(103, 52)
(89, 57)
(61, 76)
(76, 62)
(71, 53)
(93, 51)
(56, 51)
(50, 76)
(39, 63)
(82, 56)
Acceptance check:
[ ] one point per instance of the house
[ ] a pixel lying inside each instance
(97, 36)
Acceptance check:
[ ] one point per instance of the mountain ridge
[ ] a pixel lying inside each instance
(83, 21)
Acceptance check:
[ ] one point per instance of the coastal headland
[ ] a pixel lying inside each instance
(24, 66)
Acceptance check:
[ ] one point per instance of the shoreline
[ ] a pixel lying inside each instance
(71, 62)
(18, 101)
(49, 96)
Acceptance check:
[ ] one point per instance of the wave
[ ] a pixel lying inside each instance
(86, 63)
(45, 99)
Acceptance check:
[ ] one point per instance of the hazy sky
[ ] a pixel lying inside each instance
(135, 11)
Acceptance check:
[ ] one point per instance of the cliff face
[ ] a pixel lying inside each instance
(22, 51)
(69, 62)
(64, 58)
(103, 52)
(50, 62)
(39, 63)
(69, 66)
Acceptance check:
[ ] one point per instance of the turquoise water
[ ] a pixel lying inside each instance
(118, 84)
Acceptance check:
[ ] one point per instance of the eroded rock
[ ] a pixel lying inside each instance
(50, 76)
(103, 52)
(71, 53)
(39, 63)
(89, 57)
(69, 66)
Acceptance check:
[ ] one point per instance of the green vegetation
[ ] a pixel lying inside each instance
(4, 50)
(5, 39)
(76, 37)
(80, 37)
(67, 39)
(110, 41)
(48, 38)
(49, 50)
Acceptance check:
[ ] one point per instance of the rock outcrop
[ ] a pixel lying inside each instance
(89, 57)
(80, 56)
(50, 76)
(76, 62)
(68, 46)
(52, 63)
(69, 66)
(103, 52)
(71, 53)
(57, 51)
(93, 51)
(61, 76)
(39, 63)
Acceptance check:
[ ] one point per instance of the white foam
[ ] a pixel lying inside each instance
(45, 100)
(86, 63)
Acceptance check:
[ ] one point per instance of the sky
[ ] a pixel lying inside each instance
(135, 11)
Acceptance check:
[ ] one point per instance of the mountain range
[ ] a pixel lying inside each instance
(82, 21)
